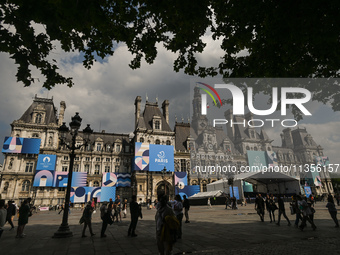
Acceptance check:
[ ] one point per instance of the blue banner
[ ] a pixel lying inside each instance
(46, 162)
(256, 160)
(43, 178)
(308, 191)
(234, 192)
(21, 145)
(161, 156)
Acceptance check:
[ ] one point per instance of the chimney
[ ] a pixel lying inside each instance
(165, 108)
(138, 101)
(287, 135)
(61, 113)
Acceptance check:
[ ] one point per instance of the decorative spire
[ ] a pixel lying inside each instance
(157, 99)
(146, 97)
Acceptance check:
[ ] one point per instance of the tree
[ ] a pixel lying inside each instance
(260, 39)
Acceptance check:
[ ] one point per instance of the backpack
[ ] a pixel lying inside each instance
(171, 222)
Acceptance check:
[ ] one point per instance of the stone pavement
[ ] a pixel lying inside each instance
(211, 231)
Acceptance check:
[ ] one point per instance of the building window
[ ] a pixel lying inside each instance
(96, 169)
(108, 148)
(76, 168)
(61, 189)
(107, 169)
(108, 159)
(183, 165)
(118, 148)
(99, 146)
(255, 148)
(76, 158)
(87, 169)
(64, 169)
(38, 118)
(158, 141)
(117, 160)
(141, 140)
(87, 159)
(157, 124)
(29, 167)
(117, 169)
(65, 157)
(87, 183)
(95, 184)
(25, 186)
(98, 159)
(140, 187)
(168, 142)
(204, 187)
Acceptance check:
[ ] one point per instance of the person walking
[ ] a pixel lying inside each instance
(118, 203)
(61, 209)
(332, 210)
(178, 209)
(3, 216)
(24, 213)
(106, 218)
(186, 205)
(296, 211)
(282, 210)
(259, 206)
(11, 210)
(209, 203)
(87, 216)
(136, 212)
(164, 235)
(271, 207)
(307, 213)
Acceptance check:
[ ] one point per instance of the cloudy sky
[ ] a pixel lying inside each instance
(104, 95)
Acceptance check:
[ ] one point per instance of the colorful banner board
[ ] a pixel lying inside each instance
(21, 145)
(234, 192)
(46, 162)
(181, 179)
(43, 178)
(109, 180)
(154, 157)
(188, 190)
(247, 187)
(308, 191)
(256, 160)
(61, 178)
(85, 194)
(123, 180)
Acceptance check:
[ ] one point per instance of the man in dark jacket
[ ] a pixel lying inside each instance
(186, 206)
(282, 210)
(259, 206)
(135, 211)
(11, 211)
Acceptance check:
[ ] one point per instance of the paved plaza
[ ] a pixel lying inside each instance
(210, 231)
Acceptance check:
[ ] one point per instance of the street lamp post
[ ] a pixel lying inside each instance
(64, 230)
(164, 171)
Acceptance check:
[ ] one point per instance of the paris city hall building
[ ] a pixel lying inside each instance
(197, 143)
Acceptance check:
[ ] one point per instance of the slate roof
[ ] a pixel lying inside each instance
(47, 104)
(182, 132)
(151, 109)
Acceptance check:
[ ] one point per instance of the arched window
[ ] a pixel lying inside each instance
(38, 118)
(247, 148)
(95, 184)
(168, 142)
(87, 183)
(35, 135)
(25, 186)
(158, 141)
(204, 187)
(141, 140)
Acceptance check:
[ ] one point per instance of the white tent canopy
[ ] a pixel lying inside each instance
(215, 193)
